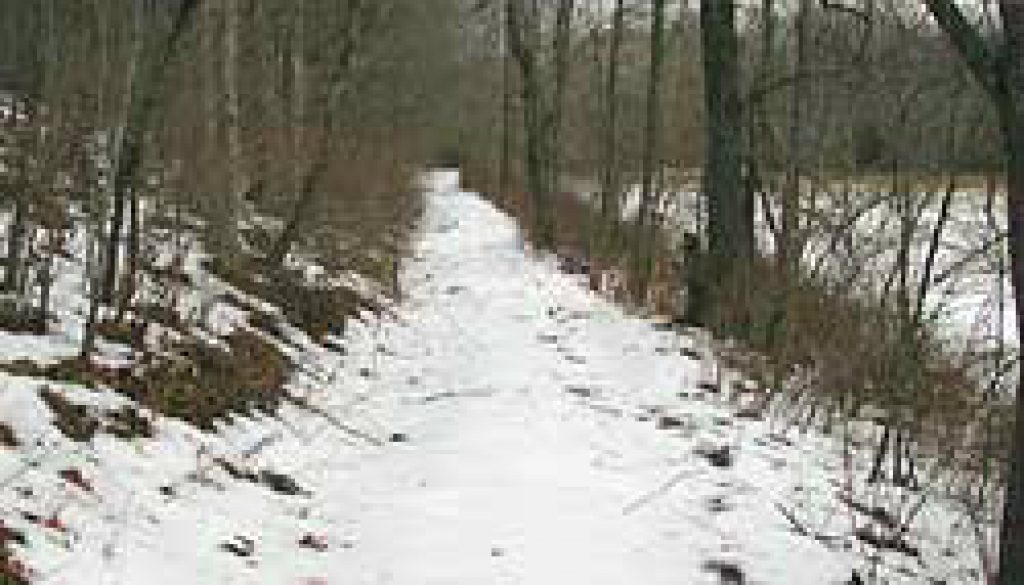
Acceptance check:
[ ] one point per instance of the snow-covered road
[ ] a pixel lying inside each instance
(535, 434)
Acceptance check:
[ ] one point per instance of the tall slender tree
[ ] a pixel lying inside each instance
(999, 69)
(609, 165)
(146, 94)
(648, 162)
(730, 231)
(521, 36)
(561, 54)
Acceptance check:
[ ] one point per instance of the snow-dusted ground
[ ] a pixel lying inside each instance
(531, 433)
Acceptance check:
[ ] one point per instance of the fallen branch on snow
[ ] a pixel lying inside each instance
(336, 423)
(662, 490)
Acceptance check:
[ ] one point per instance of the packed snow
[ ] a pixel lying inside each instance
(505, 426)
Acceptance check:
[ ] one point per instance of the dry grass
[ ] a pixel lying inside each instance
(584, 241)
(205, 383)
(315, 310)
(838, 356)
(196, 382)
(80, 423)
(74, 420)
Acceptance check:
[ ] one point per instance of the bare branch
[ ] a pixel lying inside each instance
(970, 44)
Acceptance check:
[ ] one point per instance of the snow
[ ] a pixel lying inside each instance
(510, 427)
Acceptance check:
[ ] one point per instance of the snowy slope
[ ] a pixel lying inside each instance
(506, 427)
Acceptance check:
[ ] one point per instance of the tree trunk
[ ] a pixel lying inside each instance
(1012, 536)
(138, 60)
(533, 121)
(609, 170)
(113, 247)
(237, 180)
(645, 220)
(766, 74)
(15, 242)
(924, 286)
(131, 273)
(290, 233)
(133, 206)
(761, 179)
(1011, 557)
(215, 176)
(729, 236)
(89, 330)
(1011, 564)
(505, 164)
(563, 26)
(788, 254)
(46, 278)
(297, 90)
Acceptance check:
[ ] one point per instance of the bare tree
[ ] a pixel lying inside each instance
(1000, 72)
(649, 166)
(146, 93)
(609, 163)
(522, 37)
(730, 237)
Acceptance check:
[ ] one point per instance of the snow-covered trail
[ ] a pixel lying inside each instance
(535, 434)
(535, 456)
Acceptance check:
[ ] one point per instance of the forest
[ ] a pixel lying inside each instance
(511, 291)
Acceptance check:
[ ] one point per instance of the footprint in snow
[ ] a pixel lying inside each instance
(691, 354)
(721, 456)
(670, 422)
(728, 573)
(240, 546)
(718, 505)
(581, 391)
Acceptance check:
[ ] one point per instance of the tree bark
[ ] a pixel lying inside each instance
(15, 242)
(788, 253)
(505, 164)
(45, 277)
(609, 170)
(1011, 557)
(1001, 74)
(563, 26)
(1012, 535)
(533, 121)
(132, 268)
(729, 238)
(645, 216)
(238, 182)
(762, 164)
